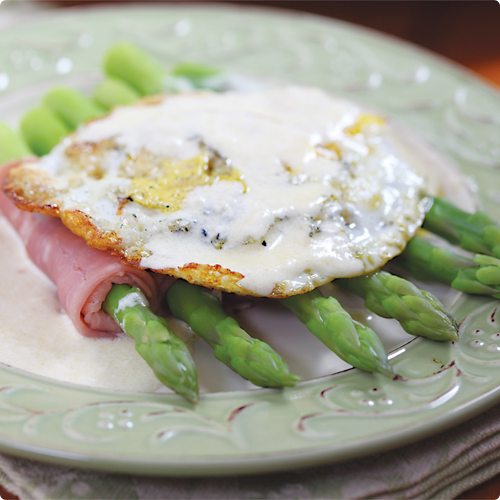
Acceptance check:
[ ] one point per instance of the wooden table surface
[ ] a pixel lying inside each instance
(466, 32)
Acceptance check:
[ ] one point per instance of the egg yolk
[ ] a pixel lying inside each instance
(364, 122)
(178, 177)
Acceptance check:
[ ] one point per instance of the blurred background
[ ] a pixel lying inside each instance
(466, 31)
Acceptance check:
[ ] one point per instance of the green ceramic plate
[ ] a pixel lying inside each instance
(329, 417)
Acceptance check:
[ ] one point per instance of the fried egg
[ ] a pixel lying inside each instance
(268, 193)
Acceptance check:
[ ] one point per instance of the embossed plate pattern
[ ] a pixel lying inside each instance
(327, 419)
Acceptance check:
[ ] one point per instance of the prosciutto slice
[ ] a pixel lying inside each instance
(83, 275)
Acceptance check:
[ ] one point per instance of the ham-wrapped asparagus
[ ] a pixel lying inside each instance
(83, 275)
(84, 278)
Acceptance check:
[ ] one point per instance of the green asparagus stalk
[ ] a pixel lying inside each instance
(42, 129)
(200, 75)
(419, 312)
(12, 144)
(127, 62)
(480, 275)
(112, 92)
(141, 71)
(163, 351)
(476, 232)
(251, 358)
(71, 106)
(353, 342)
(63, 109)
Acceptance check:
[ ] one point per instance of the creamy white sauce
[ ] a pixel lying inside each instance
(300, 217)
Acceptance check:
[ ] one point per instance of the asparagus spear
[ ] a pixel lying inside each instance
(142, 72)
(251, 358)
(42, 129)
(12, 144)
(419, 312)
(71, 106)
(480, 275)
(200, 75)
(112, 92)
(353, 342)
(127, 62)
(163, 351)
(194, 71)
(475, 232)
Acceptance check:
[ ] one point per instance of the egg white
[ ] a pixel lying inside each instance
(317, 196)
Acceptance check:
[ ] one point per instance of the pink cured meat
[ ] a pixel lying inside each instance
(83, 275)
